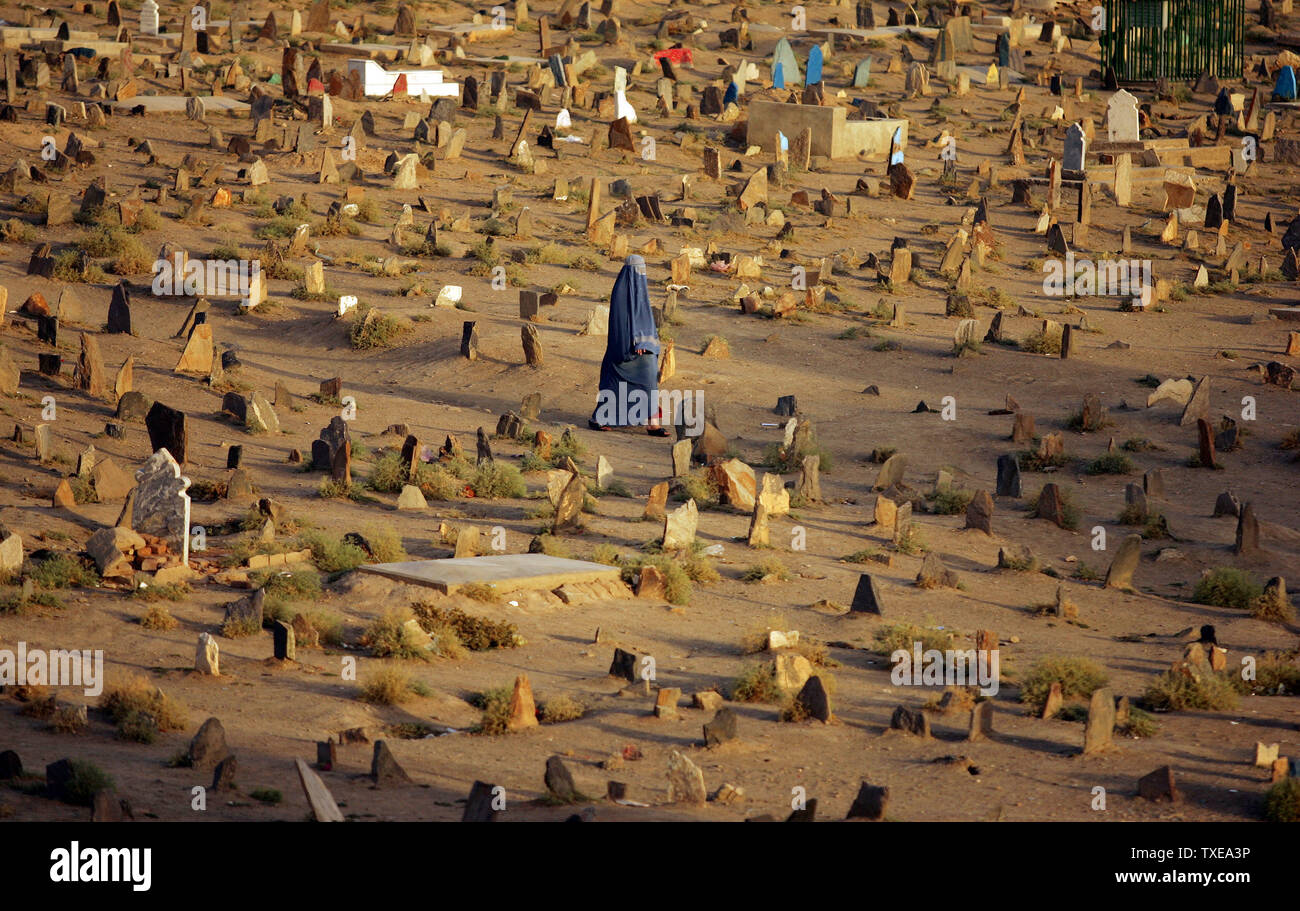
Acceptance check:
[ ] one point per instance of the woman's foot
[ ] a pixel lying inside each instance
(594, 426)
(657, 431)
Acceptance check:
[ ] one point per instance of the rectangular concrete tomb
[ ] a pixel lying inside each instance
(506, 572)
(375, 80)
(833, 134)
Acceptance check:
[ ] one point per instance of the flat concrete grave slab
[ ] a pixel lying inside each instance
(884, 31)
(504, 58)
(373, 50)
(507, 572)
(15, 36)
(175, 104)
(472, 31)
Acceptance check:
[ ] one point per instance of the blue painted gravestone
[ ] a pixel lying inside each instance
(862, 75)
(784, 55)
(1285, 89)
(1004, 50)
(896, 147)
(557, 70)
(814, 66)
(778, 76)
(782, 142)
(733, 93)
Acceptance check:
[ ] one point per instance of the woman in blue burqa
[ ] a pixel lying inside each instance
(629, 373)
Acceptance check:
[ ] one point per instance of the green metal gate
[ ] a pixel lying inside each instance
(1145, 40)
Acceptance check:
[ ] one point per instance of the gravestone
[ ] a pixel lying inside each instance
(680, 526)
(1122, 118)
(1247, 540)
(866, 598)
(119, 310)
(783, 57)
(979, 512)
(161, 505)
(1124, 563)
(1051, 505)
(862, 74)
(1100, 727)
(1076, 149)
(871, 802)
(624, 665)
(167, 430)
(814, 75)
(284, 642)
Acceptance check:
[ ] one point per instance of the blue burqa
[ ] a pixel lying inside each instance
(629, 382)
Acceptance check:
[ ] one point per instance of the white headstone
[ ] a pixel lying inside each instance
(149, 18)
(207, 657)
(1122, 117)
(563, 120)
(622, 108)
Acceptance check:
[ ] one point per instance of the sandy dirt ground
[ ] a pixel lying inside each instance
(1029, 769)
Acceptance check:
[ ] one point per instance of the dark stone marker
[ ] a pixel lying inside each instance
(1226, 505)
(1206, 440)
(223, 777)
(624, 665)
(11, 766)
(870, 803)
(1159, 785)
(904, 719)
(167, 430)
(327, 754)
(559, 781)
(119, 310)
(721, 729)
(384, 768)
(320, 455)
(57, 776)
(1008, 476)
(786, 406)
(813, 699)
(235, 405)
(234, 456)
(478, 806)
(208, 747)
(469, 341)
(1247, 543)
(807, 814)
(331, 390)
(285, 644)
(1051, 505)
(866, 599)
